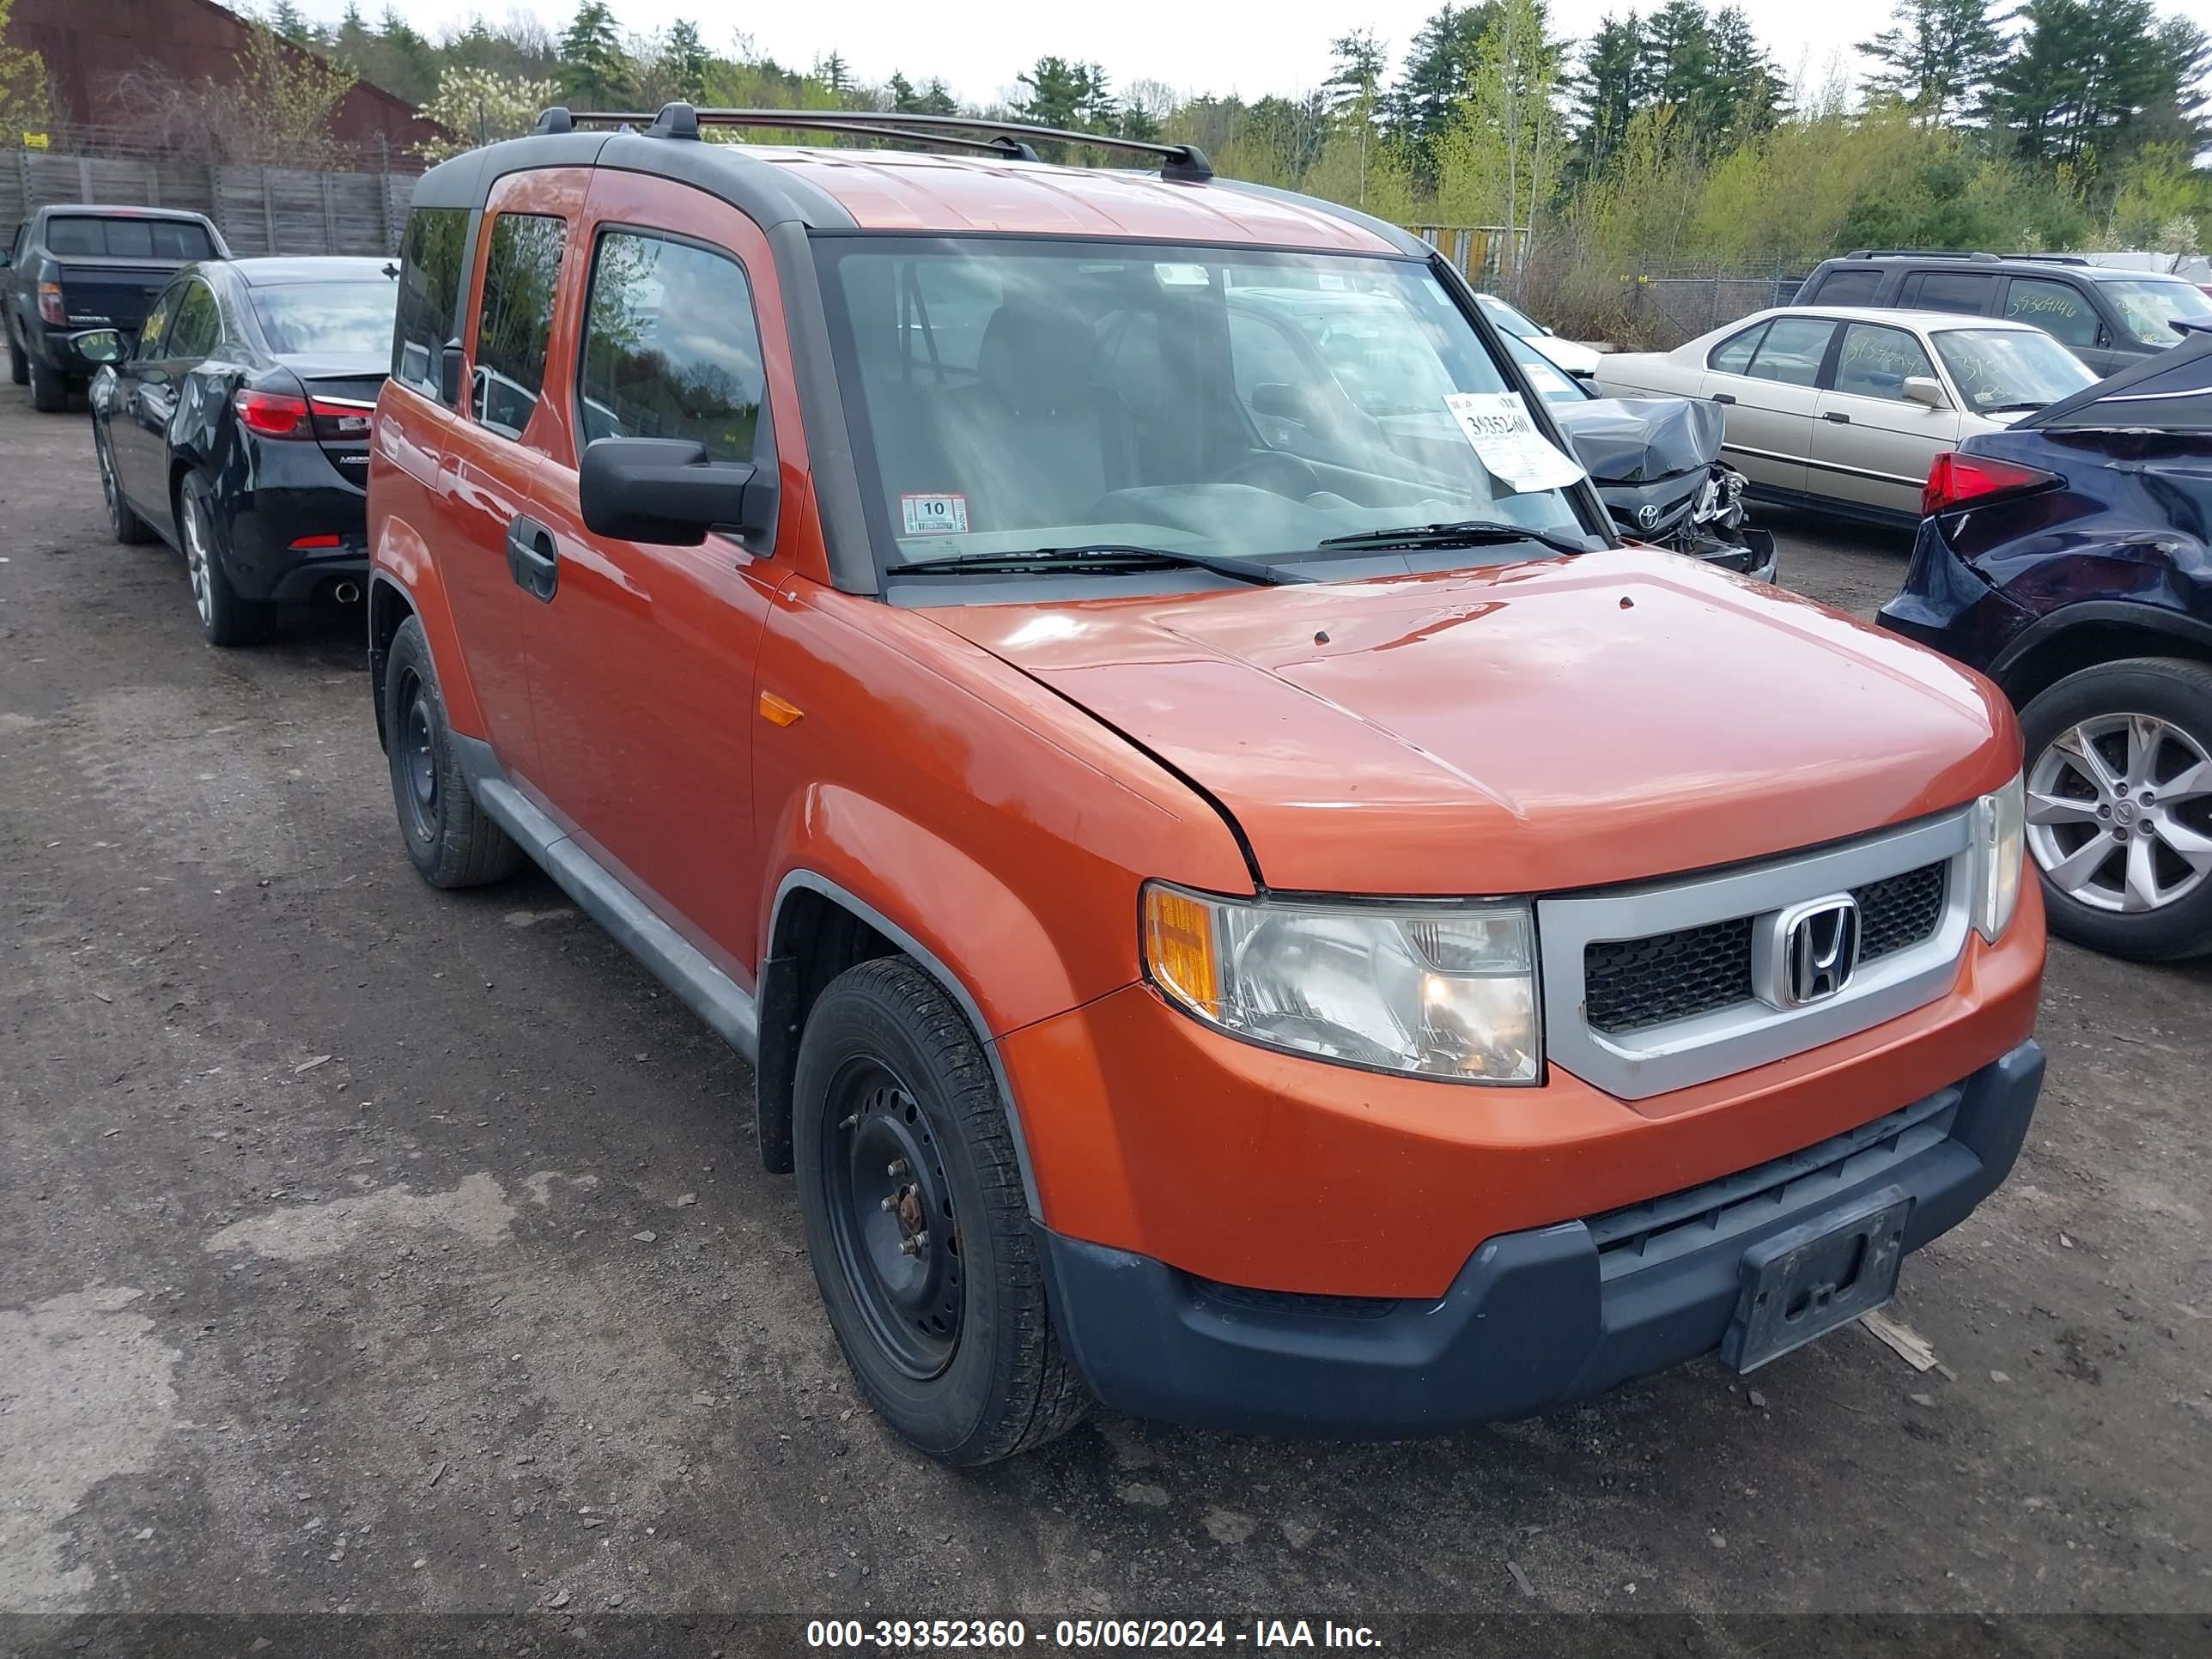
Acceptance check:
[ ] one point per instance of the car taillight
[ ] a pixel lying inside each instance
(50, 303)
(1957, 480)
(345, 421)
(271, 414)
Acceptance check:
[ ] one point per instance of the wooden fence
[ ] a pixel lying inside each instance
(259, 210)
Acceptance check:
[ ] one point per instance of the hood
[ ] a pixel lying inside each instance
(1572, 356)
(1553, 724)
(1638, 439)
(2172, 390)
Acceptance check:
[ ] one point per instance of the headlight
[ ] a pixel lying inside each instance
(1443, 990)
(1999, 833)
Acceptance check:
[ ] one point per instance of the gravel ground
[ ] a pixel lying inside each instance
(363, 1247)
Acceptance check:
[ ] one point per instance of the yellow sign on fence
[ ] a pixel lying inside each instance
(35, 141)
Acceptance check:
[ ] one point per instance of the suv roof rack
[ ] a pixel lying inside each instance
(1012, 140)
(1959, 253)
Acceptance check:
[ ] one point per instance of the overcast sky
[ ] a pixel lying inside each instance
(1244, 47)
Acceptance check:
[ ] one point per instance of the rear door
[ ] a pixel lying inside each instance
(643, 658)
(1768, 379)
(2069, 316)
(1871, 445)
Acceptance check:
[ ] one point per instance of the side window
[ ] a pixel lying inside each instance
(521, 271)
(430, 294)
(1792, 350)
(190, 332)
(1732, 354)
(1849, 288)
(1875, 362)
(150, 331)
(671, 349)
(2054, 308)
(1969, 292)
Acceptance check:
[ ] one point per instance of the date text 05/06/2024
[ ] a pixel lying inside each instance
(1007, 1635)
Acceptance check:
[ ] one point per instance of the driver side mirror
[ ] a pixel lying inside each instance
(1925, 389)
(449, 375)
(99, 345)
(666, 491)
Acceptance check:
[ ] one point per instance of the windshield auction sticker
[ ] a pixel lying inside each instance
(1507, 443)
(934, 515)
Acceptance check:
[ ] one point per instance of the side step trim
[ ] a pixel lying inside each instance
(709, 992)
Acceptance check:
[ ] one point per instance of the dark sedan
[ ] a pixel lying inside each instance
(2070, 559)
(236, 429)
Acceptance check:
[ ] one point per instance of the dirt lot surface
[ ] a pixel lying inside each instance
(366, 1247)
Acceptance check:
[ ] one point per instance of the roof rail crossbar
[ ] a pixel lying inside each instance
(1184, 163)
(1960, 253)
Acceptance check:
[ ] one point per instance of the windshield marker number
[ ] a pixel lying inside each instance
(934, 515)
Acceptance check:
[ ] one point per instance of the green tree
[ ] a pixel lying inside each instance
(1608, 91)
(1058, 90)
(937, 98)
(834, 73)
(1438, 75)
(1746, 94)
(25, 94)
(2082, 74)
(1678, 66)
(1357, 62)
(286, 19)
(595, 70)
(684, 62)
(1937, 57)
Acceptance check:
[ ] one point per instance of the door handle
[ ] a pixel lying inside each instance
(1837, 415)
(1723, 396)
(531, 559)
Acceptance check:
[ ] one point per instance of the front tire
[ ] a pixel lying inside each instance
(911, 1197)
(18, 366)
(123, 521)
(452, 842)
(225, 616)
(2119, 806)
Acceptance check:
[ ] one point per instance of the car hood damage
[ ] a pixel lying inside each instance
(1550, 724)
(1640, 439)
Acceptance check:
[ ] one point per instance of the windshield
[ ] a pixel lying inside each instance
(1007, 396)
(2147, 308)
(345, 319)
(1514, 322)
(2009, 368)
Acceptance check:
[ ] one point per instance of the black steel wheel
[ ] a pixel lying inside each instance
(451, 840)
(910, 1191)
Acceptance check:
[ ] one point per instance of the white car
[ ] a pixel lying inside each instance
(1572, 356)
(1844, 408)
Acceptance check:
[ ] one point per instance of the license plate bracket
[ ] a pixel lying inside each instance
(1802, 1283)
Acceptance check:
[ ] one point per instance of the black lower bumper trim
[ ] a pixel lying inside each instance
(1532, 1322)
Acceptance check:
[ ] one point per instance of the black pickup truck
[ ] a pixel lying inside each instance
(70, 269)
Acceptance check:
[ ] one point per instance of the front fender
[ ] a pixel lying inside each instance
(403, 560)
(859, 846)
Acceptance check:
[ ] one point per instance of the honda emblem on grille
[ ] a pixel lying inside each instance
(1805, 953)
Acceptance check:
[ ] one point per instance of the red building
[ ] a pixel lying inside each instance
(91, 44)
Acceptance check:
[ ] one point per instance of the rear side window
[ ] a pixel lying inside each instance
(1848, 288)
(1732, 354)
(671, 349)
(2055, 308)
(521, 271)
(430, 294)
(1969, 292)
(150, 332)
(92, 238)
(1792, 350)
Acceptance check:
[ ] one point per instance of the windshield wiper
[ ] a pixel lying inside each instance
(2007, 409)
(1466, 532)
(1103, 556)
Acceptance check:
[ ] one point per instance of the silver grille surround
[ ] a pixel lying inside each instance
(1656, 1059)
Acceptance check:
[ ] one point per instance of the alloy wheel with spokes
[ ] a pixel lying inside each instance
(2119, 812)
(195, 539)
(108, 488)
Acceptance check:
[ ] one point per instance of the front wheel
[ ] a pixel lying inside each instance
(2119, 806)
(911, 1197)
(18, 366)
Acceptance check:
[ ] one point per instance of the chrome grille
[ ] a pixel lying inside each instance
(1631, 984)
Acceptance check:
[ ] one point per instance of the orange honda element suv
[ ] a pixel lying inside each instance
(1243, 903)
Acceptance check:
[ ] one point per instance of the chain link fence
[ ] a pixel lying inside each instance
(259, 210)
(1667, 306)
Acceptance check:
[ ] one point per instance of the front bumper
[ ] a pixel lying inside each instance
(1534, 1318)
